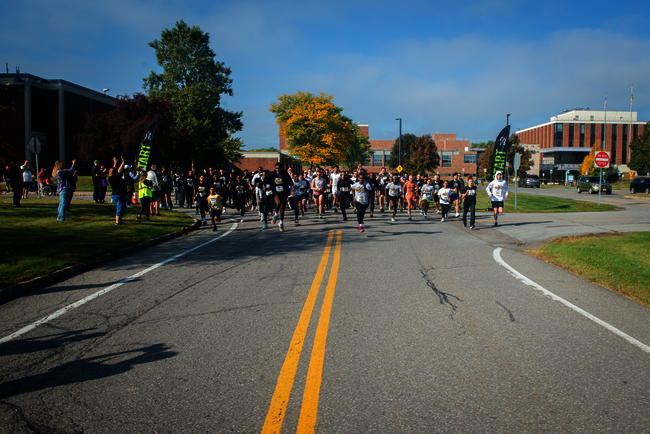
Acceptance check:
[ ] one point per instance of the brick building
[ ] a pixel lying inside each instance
(49, 110)
(567, 139)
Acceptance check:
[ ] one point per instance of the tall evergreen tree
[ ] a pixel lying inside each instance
(193, 81)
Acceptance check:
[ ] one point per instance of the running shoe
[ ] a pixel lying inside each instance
(302, 214)
(392, 219)
(264, 227)
(438, 211)
(214, 228)
(241, 220)
(442, 219)
(297, 221)
(345, 219)
(261, 218)
(275, 218)
(381, 209)
(496, 224)
(410, 218)
(421, 212)
(360, 228)
(281, 227)
(457, 215)
(371, 215)
(471, 227)
(425, 215)
(320, 216)
(335, 210)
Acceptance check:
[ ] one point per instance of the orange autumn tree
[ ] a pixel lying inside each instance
(588, 166)
(316, 132)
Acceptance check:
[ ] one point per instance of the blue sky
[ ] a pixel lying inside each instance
(447, 67)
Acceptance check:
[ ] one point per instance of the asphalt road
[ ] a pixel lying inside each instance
(415, 327)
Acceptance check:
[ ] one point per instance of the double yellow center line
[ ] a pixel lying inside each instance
(309, 409)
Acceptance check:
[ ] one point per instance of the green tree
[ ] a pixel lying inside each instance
(194, 82)
(640, 151)
(423, 157)
(358, 150)
(271, 149)
(526, 157)
(482, 144)
(407, 141)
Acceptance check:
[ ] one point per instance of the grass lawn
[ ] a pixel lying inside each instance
(34, 243)
(617, 261)
(529, 203)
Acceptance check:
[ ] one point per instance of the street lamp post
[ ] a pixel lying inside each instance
(399, 155)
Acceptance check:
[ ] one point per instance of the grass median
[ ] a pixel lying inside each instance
(34, 243)
(617, 261)
(527, 203)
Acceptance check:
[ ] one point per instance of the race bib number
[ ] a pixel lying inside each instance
(189, 183)
(269, 192)
(213, 201)
(240, 189)
(427, 196)
(393, 191)
(361, 197)
(471, 192)
(279, 188)
(344, 189)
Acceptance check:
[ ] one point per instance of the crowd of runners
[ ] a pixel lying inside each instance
(270, 193)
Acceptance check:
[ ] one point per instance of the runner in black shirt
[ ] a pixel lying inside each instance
(456, 185)
(201, 190)
(345, 195)
(280, 183)
(189, 188)
(239, 192)
(437, 185)
(469, 204)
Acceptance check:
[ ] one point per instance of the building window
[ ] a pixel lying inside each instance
(624, 153)
(582, 135)
(558, 138)
(614, 140)
(469, 159)
(446, 158)
(376, 159)
(571, 128)
(591, 118)
(592, 139)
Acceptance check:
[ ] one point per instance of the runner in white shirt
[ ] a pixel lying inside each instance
(498, 192)
(334, 179)
(444, 195)
(393, 192)
(361, 191)
(427, 196)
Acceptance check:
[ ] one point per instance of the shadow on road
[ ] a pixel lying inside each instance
(87, 369)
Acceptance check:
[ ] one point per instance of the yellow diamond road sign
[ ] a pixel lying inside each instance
(399, 169)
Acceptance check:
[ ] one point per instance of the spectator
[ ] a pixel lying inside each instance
(42, 179)
(129, 180)
(152, 176)
(63, 187)
(118, 190)
(104, 188)
(27, 178)
(16, 178)
(96, 173)
(73, 187)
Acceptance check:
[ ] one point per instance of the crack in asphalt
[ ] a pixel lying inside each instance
(512, 317)
(443, 297)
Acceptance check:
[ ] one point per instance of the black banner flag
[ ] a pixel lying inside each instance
(500, 155)
(145, 147)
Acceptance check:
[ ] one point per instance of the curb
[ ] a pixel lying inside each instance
(21, 288)
(635, 196)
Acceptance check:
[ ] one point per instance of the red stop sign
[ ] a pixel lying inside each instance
(601, 159)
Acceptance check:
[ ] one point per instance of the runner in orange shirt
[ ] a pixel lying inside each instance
(411, 190)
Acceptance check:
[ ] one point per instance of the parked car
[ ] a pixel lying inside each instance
(530, 181)
(591, 184)
(640, 185)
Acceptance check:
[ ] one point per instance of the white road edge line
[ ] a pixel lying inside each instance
(497, 257)
(106, 290)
